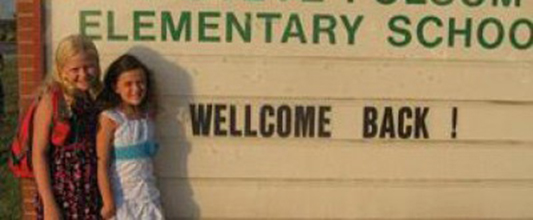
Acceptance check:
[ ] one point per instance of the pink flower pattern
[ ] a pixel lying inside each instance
(73, 168)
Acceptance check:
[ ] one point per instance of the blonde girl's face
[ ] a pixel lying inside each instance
(81, 71)
(131, 86)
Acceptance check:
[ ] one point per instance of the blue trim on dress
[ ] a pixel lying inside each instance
(135, 151)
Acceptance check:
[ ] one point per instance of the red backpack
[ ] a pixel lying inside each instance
(20, 160)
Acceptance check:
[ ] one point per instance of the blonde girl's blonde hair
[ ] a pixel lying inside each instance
(69, 47)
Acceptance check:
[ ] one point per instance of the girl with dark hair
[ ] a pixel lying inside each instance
(125, 143)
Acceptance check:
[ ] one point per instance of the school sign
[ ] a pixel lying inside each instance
(317, 109)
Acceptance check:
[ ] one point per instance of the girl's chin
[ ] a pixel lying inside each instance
(134, 103)
(82, 87)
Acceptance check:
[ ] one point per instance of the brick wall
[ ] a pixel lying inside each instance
(30, 44)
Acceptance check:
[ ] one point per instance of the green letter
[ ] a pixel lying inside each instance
(203, 26)
(351, 29)
(514, 40)
(84, 24)
(420, 31)
(329, 29)
(442, 2)
(506, 3)
(244, 32)
(168, 23)
(268, 23)
(111, 35)
(416, 2)
(473, 3)
(393, 27)
(467, 32)
(138, 24)
(294, 21)
(386, 2)
(481, 29)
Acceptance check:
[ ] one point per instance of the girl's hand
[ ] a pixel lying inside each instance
(52, 212)
(108, 211)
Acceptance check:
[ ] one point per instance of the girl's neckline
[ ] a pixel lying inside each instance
(131, 112)
(138, 116)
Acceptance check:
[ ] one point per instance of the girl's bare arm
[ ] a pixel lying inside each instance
(104, 139)
(41, 139)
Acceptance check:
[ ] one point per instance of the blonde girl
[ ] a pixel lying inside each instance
(64, 132)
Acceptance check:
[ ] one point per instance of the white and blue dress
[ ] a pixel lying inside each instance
(131, 171)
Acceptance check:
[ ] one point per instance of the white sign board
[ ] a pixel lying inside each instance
(315, 109)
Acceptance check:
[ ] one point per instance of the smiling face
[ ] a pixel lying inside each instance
(131, 87)
(81, 71)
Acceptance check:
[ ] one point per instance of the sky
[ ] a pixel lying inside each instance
(7, 8)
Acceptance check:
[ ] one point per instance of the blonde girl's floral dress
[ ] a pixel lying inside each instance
(72, 162)
(131, 173)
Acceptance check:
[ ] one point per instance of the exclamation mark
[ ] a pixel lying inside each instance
(454, 122)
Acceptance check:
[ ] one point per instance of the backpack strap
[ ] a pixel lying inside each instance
(57, 98)
(59, 128)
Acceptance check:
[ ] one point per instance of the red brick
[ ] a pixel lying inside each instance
(24, 29)
(29, 211)
(27, 2)
(27, 182)
(27, 76)
(30, 83)
(24, 103)
(29, 217)
(25, 6)
(27, 21)
(28, 189)
(27, 36)
(26, 48)
(31, 76)
(30, 62)
(29, 90)
(25, 61)
(28, 192)
(29, 33)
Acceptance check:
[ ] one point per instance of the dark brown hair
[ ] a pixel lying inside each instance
(108, 98)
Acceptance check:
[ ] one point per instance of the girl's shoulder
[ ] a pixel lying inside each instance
(115, 115)
(51, 88)
(52, 97)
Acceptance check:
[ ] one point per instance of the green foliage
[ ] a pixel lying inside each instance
(10, 200)
(8, 32)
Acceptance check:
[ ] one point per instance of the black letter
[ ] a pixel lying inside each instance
(248, 132)
(267, 130)
(305, 121)
(201, 119)
(370, 115)
(323, 120)
(404, 131)
(219, 119)
(233, 130)
(284, 115)
(420, 122)
(387, 125)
